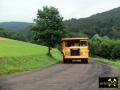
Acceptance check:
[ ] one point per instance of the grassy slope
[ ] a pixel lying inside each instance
(17, 56)
(115, 63)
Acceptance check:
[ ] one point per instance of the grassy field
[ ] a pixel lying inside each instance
(18, 56)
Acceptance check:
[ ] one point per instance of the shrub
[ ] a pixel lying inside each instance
(104, 47)
(116, 52)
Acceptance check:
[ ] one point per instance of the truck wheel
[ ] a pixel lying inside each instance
(70, 61)
(82, 60)
(65, 60)
(86, 60)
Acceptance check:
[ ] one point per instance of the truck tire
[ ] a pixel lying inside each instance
(70, 61)
(65, 60)
(86, 60)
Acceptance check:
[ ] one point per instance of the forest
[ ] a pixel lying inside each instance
(103, 29)
(104, 24)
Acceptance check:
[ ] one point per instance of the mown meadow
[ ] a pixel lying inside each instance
(18, 56)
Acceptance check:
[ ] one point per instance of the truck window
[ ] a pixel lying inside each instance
(83, 43)
(72, 43)
(69, 44)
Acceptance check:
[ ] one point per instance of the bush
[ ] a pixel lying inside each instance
(116, 52)
(95, 44)
(104, 47)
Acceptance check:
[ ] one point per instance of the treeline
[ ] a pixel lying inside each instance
(104, 47)
(15, 25)
(25, 35)
(104, 24)
(102, 28)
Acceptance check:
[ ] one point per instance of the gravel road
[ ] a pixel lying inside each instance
(72, 76)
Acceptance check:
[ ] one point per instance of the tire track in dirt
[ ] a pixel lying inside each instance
(72, 76)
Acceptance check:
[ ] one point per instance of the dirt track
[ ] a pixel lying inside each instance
(74, 76)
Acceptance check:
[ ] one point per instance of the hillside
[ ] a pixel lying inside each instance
(17, 56)
(16, 30)
(15, 25)
(104, 24)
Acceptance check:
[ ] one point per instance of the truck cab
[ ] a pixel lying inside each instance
(75, 49)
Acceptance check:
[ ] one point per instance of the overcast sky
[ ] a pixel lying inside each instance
(26, 10)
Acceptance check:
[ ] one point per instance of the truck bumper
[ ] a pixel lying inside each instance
(76, 57)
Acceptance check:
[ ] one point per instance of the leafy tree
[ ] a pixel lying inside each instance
(104, 47)
(49, 27)
(116, 52)
(95, 44)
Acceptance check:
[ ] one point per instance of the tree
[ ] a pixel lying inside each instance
(104, 24)
(49, 27)
(116, 50)
(95, 44)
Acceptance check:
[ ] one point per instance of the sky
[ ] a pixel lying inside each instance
(26, 10)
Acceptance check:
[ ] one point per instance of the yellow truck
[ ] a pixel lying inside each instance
(75, 49)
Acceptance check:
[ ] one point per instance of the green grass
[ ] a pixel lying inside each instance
(115, 63)
(19, 48)
(18, 56)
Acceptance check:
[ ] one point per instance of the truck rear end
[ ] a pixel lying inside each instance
(75, 49)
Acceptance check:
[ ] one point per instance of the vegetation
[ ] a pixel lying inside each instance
(49, 28)
(17, 34)
(115, 63)
(104, 24)
(17, 56)
(103, 29)
(16, 26)
(104, 47)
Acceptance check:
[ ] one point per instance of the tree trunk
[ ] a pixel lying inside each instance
(49, 49)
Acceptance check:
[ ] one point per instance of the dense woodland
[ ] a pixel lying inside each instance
(16, 30)
(104, 24)
(103, 29)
